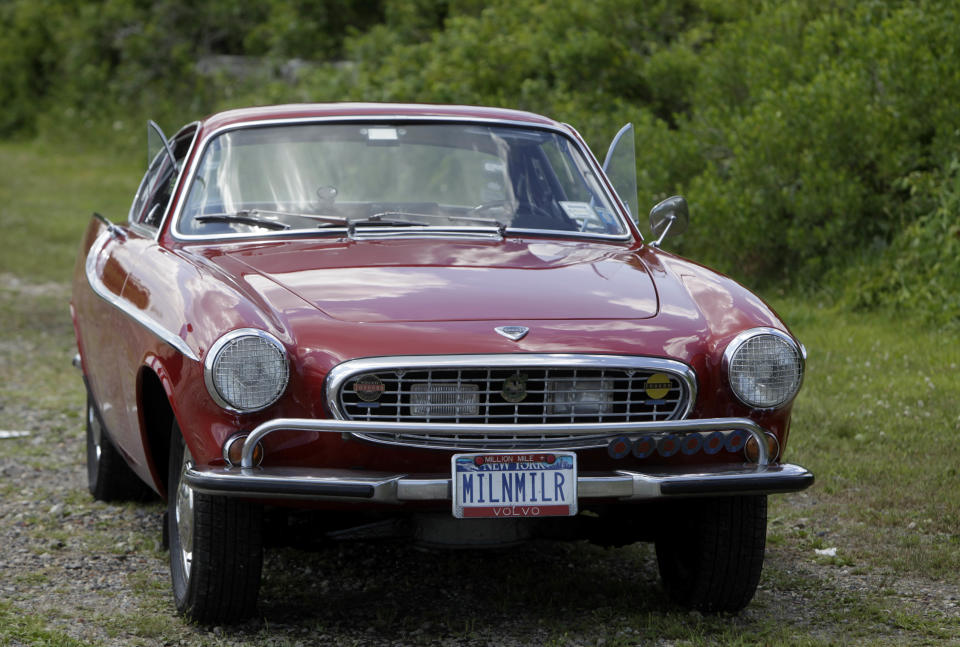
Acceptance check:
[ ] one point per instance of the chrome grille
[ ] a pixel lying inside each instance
(509, 389)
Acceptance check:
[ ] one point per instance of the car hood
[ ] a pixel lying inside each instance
(438, 280)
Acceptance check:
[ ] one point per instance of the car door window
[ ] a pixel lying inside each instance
(158, 184)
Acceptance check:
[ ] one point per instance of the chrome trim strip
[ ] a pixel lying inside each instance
(183, 168)
(747, 335)
(345, 370)
(126, 307)
(612, 428)
(560, 129)
(380, 233)
(378, 487)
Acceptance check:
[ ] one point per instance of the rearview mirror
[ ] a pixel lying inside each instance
(669, 216)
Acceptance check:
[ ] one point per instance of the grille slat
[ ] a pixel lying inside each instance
(515, 395)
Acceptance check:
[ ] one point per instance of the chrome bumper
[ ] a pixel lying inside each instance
(379, 487)
(386, 487)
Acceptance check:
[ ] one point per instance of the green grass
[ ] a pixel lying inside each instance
(877, 422)
(47, 194)
(17, 628)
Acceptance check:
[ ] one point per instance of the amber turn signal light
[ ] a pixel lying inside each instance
(750, 449)
(233, 450)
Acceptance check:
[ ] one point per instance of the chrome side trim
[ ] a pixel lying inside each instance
(126, 307)
(345, 370)
(560, 129)
(183, 168)
(387, 488)
(359, 428)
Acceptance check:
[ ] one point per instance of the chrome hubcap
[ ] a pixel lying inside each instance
(96, 431)
(184, 511)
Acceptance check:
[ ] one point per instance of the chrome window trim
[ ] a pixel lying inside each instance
(215, 349)
(561, 129)
(126, 307)
(749, 334)
(341, 373)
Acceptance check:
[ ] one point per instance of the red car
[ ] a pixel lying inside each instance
(435, 314)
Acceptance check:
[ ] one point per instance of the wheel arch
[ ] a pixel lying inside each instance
(156, 418)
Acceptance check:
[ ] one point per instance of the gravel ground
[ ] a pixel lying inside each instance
(97, 573)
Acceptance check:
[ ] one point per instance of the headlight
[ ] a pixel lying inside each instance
(765, 367)
(246, 370)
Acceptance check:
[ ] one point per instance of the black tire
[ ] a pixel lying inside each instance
(710, 554)
(216, 548)
(109, 478)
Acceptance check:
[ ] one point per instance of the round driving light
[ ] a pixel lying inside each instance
(764, 367)
(645, 446)
(668, 446)
(735, 440)
(714, 443)
(619, 447)
(246, 370)
(691, 444)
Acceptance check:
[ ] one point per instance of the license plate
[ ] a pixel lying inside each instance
(536, 484)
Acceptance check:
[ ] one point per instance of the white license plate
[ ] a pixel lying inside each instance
(534, 484)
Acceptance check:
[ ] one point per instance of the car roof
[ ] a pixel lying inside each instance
(404, 110)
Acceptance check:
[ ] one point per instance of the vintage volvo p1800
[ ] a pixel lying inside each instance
(444, 315)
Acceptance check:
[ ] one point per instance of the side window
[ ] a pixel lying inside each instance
(158, 184)
(147, 188)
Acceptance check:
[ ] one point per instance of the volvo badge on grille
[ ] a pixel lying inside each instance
(515, 333)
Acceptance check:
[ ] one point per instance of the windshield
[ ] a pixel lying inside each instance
(260, 180)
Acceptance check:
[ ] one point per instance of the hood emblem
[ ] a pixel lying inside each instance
(514, 333)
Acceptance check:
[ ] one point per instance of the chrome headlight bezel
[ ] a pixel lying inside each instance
(219, 391)
(730, 366)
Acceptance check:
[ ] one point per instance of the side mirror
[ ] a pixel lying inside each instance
(669, 216)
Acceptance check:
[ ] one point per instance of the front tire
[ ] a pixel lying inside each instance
(710, 554)
(109, 478)
(216, 547)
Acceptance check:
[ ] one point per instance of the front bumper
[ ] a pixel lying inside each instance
(322, 484)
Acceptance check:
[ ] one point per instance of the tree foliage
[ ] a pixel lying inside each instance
(816, 142)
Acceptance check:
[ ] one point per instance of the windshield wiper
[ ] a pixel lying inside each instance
(250, 217)
(269, 219)
(324, 220)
